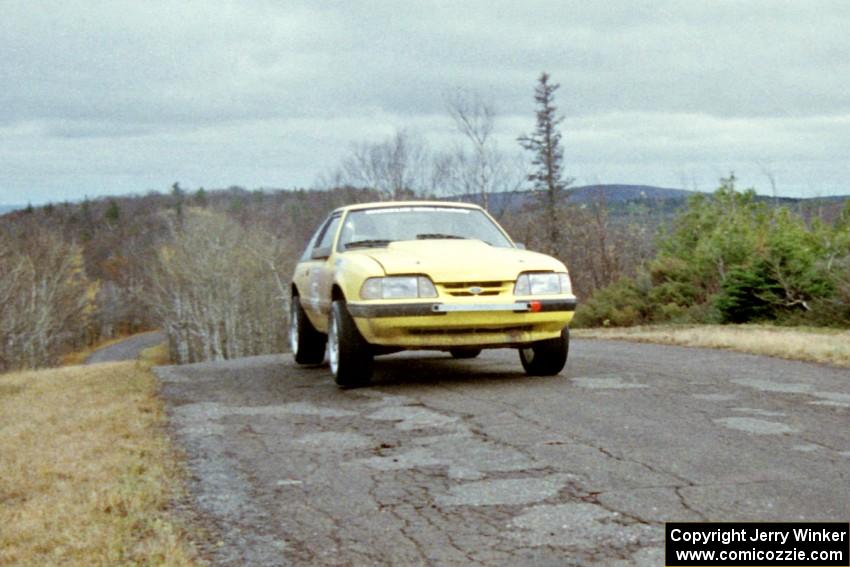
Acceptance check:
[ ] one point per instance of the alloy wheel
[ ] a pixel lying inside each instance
(293, 330)
(333, 346)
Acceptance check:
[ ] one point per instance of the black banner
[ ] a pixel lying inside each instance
(744, 544)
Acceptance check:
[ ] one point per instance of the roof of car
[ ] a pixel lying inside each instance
(385, 204)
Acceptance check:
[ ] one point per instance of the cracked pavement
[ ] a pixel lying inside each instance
(450, 462)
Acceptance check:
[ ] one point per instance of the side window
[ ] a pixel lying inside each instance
(326, 238)
(313, 239)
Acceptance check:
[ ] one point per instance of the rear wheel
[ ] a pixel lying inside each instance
(546, 358)
(350, 356)
(462, 353)
(307, 344)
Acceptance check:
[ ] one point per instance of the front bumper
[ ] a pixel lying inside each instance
(420, 309)
(439, 325)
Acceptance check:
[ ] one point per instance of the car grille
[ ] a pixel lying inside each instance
(433, 331)
(469, 289)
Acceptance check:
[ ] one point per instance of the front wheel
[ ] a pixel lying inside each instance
(307, 344)
(546, 358)
(350, 356)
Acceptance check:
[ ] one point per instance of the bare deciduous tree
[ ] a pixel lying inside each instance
(45, 299)
(395, 168)
(479, 169)
(216, 289)
(475, 118)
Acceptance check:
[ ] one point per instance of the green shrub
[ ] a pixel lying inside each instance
(730, 258)
(746, 296)
(621, 304)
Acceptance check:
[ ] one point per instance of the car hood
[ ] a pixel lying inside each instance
(459, 260)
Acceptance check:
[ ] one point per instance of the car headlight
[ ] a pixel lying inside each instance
(543, 284)
(397, 287)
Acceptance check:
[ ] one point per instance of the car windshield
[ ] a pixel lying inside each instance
(379, 227)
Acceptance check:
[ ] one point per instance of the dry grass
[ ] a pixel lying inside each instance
(156, 355)
(808, 344)
(87, 474)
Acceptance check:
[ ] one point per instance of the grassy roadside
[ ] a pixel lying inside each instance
(87, 474)
(156, 355)
(809, 344)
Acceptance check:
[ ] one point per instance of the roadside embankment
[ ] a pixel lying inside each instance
(88, 474)
(808, 344)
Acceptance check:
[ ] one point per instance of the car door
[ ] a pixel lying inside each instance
(315, 274)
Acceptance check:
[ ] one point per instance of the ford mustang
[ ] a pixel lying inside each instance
(382, 277)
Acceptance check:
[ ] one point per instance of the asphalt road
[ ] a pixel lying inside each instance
(446, 462)
(128, 349)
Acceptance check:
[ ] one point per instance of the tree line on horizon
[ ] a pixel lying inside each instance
(211, 268)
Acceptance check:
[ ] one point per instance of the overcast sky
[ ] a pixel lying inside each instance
(114, 97)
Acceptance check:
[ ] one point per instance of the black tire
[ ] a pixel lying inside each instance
(461, 353)
(307, 344)
(546, 358)
(351, 357)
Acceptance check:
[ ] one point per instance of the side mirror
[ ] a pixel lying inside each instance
(519, 245)
(320, 253)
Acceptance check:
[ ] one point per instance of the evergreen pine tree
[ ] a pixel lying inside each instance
(545, 144)
(201, 197)
(113, 212)
(178, 194)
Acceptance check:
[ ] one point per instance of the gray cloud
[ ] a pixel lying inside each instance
(104, 97)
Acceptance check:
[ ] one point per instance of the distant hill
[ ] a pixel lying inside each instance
(619, 198)
(624, 193)
(615, 197)
(586, 194)
(9, 208)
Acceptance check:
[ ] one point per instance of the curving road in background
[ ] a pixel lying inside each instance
(128, 349)
(471, 462)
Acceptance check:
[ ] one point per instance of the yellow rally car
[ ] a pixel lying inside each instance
(382, 277)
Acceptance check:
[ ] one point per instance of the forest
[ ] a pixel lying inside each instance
(212, 268)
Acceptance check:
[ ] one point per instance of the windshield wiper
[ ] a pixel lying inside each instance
(369, 243)
(437, 235)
